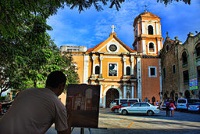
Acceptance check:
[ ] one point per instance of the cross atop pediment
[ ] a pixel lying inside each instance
(113, 28)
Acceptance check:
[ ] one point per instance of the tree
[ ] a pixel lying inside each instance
(170, 1)
(27, 59)
(15, 12)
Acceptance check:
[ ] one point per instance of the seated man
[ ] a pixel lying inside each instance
(34, 110)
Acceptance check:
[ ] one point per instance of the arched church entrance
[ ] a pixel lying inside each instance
(111, 94)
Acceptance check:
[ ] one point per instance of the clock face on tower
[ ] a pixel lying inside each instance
(112, 47)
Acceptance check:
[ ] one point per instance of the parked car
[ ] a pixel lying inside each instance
(194, 107)
(140, 108)
(122, 101)
(183, 103)
(117, 107)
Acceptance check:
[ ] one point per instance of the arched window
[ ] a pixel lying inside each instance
(184, 58)
(151, 47)
(128, 70)
(197, 48)
(167, 48)
(150, 30)
(97, 69)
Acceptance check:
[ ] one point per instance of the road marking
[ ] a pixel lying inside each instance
(130, 125)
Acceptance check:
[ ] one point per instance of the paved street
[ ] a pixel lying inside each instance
(113, 123)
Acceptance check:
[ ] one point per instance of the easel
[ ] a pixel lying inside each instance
(82, 130)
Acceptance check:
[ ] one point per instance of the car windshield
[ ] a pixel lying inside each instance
(196, 103)
(181, 101)
(193, 100)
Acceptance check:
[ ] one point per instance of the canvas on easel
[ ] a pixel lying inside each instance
(83, 105)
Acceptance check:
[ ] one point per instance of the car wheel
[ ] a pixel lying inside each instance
(150, 113)
(116, 111)
(124, 112)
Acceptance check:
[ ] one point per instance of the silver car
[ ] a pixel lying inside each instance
(140, 108)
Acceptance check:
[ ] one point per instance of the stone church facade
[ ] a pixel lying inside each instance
(181, 67)
(121, 71)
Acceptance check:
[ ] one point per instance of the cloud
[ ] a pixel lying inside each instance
(90, 27)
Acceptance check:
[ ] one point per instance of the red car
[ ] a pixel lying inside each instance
(117, 107)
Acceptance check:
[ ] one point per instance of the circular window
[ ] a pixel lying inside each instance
(112, 47)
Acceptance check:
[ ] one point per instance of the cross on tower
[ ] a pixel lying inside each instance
(113, 28)
(145, 8)
(167, 34)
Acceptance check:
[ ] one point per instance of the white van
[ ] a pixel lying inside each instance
(182, 103)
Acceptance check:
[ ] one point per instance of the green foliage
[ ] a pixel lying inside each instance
(14, 13)
(170, 1)
(26, 60)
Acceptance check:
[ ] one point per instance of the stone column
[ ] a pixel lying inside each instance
(132, 90)
(124, 66)
(93, 65)
(101, 59)
(132, 65)
(124, 91)
(144, 51)
(86, 65)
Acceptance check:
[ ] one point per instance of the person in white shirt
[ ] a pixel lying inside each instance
(34, 110)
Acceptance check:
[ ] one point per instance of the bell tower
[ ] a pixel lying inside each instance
(147, 34)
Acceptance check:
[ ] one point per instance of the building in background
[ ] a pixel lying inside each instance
(170, 69)
(181, 67)
(123, 72)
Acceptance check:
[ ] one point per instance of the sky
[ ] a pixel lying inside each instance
(91, 27)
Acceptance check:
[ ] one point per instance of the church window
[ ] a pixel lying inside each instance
(97, 69)
(164, 73)
(128, 70)
(150, 30)
(167, 48)
(198, 50)
(152, 71)
(151, 47)
(184, 58)
(112, 69)
(186, 77)
(174, 69)
(112, 47)
(198, 74)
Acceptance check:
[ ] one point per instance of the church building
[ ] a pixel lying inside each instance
(121, 71)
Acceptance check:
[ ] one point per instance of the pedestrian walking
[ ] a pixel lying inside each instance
(172, 107)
